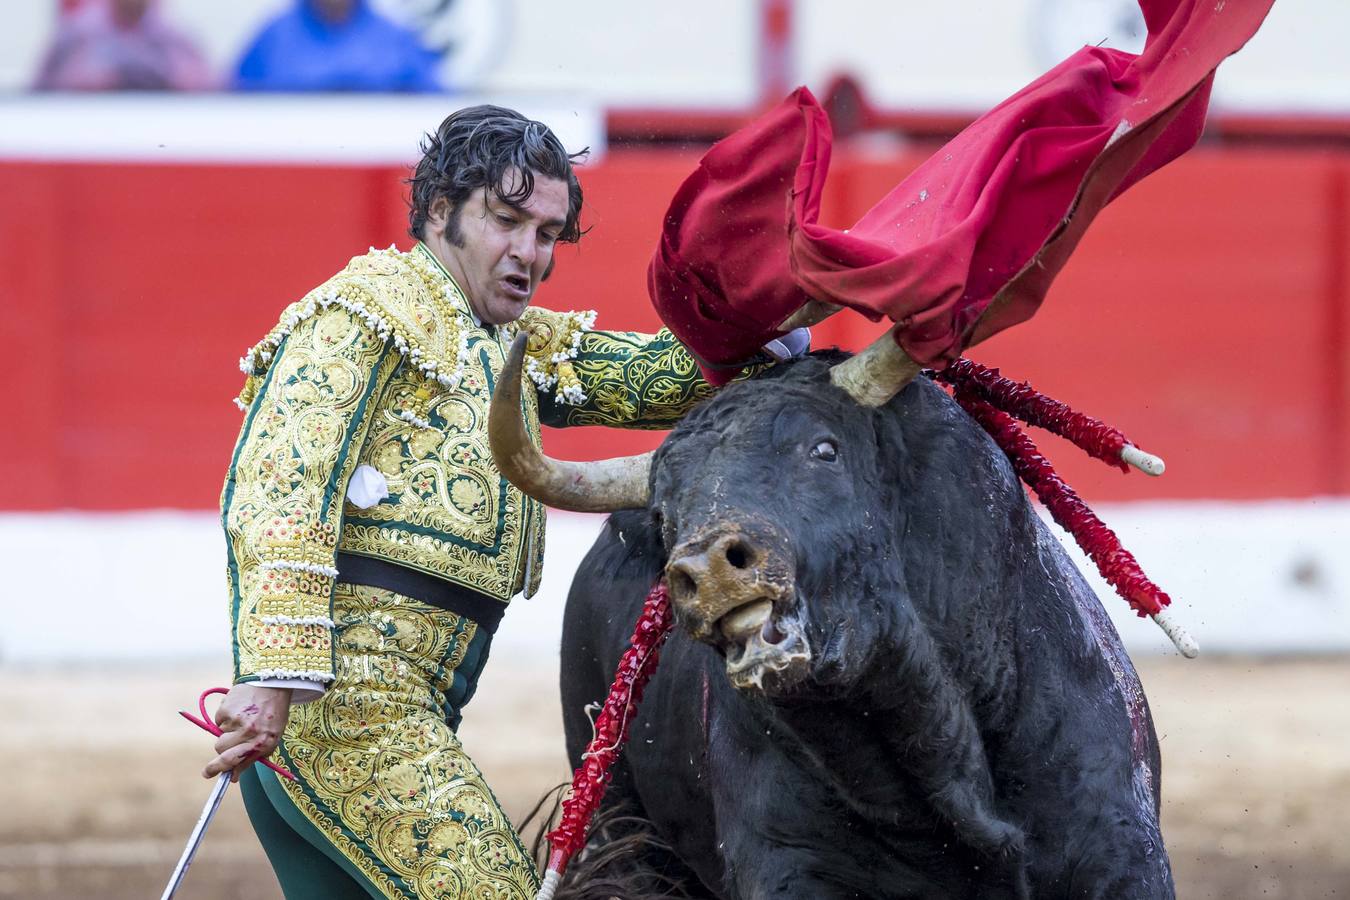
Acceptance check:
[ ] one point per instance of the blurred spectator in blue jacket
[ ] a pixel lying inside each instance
(121, 45)
(336, 45)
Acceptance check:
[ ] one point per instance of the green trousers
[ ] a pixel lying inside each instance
(307, 866)
(386, 803)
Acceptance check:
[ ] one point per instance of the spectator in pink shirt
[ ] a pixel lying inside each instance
(121, 45)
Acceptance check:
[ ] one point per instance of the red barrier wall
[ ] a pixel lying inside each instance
(1205, 314)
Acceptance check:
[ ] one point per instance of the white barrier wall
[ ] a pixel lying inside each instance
(1270, 577)
(267, 128)
(955, 55)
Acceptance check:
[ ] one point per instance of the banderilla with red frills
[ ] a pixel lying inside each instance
(611, 732)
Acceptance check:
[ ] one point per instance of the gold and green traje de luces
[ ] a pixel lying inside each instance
(384, 369)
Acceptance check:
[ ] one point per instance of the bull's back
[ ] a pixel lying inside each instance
(1094, 772)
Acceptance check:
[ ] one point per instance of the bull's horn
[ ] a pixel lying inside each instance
(601, 486)
(878, 373)
(812, 312)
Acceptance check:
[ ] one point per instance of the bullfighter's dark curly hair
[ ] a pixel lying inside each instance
(477, 147)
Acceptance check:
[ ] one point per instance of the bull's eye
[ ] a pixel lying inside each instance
(826, 451)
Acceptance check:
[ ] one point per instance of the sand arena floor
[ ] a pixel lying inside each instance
(101, 779)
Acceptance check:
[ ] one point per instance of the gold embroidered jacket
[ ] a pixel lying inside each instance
(385, 366)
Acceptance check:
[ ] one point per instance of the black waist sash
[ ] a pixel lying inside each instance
(486, 611)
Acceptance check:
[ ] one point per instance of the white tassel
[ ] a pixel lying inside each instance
(299, 620)
(295, 566)
(305, 674)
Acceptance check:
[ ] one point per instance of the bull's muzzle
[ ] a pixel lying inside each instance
(733, 586)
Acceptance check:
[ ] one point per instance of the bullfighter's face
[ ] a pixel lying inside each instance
(500, 252)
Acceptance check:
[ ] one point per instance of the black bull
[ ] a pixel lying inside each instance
(902, 687)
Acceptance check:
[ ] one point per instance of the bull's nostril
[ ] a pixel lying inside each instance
(739, 555)
(681, 583)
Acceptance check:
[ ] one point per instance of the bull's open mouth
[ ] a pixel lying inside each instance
(765, 650)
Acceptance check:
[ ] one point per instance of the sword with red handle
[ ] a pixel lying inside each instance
(213, 801)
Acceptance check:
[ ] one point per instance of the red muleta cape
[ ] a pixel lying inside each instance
(969, 243)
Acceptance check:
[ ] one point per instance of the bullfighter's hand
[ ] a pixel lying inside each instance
(251, 721)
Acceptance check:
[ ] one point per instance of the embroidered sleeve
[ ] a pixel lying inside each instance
(626, 379)
(307, 410)
(555, 341)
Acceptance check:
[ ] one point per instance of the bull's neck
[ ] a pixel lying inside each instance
(908, 748)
